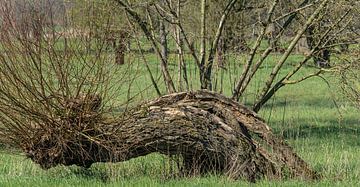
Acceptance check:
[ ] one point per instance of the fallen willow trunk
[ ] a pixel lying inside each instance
(210, 132)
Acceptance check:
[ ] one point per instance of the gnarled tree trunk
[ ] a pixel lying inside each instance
(211, 133)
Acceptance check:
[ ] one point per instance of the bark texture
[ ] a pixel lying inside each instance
(211, 132)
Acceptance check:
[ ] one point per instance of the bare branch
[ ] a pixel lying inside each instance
(143, 25)
(286, 78)
(206, 77)
(236, 92)
(203, 35)
(145, 62)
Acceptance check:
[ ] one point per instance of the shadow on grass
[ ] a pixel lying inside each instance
(91, 174)
(318, 103)
(348, 130)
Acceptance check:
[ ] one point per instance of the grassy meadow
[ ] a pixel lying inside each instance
(312, 116)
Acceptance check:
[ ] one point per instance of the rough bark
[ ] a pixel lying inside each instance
(211, 132)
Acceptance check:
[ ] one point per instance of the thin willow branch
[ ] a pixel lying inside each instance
(236, 92)
(206, 77)
(254, 69)
(144, 27)
(203, 35)
(177, 21)
(145, 62)
(293, 12)
(304, 78)
(179, 45)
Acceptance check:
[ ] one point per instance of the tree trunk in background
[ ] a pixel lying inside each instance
(221, 52)
(271, 34)
(163, 41)
(321, 58)
(204, 84)
(120, 48)
(302, 46)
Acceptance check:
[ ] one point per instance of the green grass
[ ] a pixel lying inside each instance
(312, 116)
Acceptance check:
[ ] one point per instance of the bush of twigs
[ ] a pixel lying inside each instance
(54, 82)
